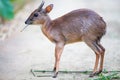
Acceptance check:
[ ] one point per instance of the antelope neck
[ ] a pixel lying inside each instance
(47, 22)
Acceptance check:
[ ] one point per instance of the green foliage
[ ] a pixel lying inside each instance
(108, 77)
(12, 0)
(6, 9)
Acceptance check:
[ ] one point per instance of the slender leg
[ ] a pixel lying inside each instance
(58, 51)
(93, 46)
(102, 51)
(96, 63)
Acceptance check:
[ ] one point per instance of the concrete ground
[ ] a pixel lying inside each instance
(30, 49)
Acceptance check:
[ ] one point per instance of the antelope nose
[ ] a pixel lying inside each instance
(25, 22)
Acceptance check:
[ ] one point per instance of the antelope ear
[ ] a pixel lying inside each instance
(49, 8)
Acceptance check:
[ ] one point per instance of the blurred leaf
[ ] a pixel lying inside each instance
(6, 9)
(12, 0)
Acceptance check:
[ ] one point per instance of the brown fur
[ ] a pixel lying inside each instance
(78, 25)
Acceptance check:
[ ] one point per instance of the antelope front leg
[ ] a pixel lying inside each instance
(58, 51)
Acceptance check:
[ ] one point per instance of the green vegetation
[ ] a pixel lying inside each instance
(105, 76)
(9, 7)
(6, 9)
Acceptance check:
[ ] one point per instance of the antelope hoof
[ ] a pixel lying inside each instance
(95, 73)
(55, 74)
(98, 72)
(92, 74)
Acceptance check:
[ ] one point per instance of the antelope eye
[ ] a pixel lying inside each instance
(35, 15)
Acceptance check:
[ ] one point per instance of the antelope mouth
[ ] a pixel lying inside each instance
(28, 22)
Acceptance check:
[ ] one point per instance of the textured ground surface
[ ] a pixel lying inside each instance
(23, 51)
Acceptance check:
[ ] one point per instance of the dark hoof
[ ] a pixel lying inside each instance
(95, 73)
(55, 74)
(98, 72)
(92, 75)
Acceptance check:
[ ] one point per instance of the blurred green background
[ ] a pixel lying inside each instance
(9, 7)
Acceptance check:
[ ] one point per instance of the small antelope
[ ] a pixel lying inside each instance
(75, 26)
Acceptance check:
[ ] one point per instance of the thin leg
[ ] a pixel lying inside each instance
(58, 51)
(94, 47)
(96, 63)
(102, 51)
